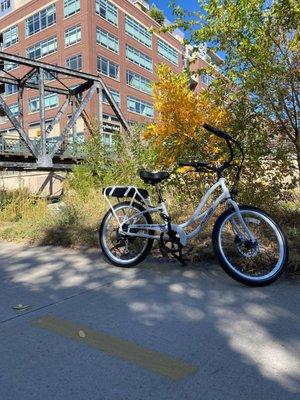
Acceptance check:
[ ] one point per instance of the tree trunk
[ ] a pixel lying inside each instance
(298, 159)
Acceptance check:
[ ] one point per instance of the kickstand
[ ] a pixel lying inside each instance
(173, 251)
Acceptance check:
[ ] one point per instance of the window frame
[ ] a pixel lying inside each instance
(141, 55)
(68, 31)
(139, 76)
(37, 99)
(73, 13)
(38, 16)
(108, 4)
(4, 118)
(136, 99)
(11, 43)
(113, 37)
(128, 20)
(99, 60)
(35, 46)
(77, 57)
(168, 47)
(10, 85)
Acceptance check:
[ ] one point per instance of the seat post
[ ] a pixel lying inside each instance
(159, 194)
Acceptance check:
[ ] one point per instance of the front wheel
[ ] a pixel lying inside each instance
(120, 249)
(254, 262)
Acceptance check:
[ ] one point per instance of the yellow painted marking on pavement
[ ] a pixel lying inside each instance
(128, 351)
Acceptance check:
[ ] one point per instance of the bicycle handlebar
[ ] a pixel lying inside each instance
(215, 131)
(203, 166)
(228, 138)
(194, 164)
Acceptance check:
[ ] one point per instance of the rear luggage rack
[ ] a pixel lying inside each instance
(126, 191)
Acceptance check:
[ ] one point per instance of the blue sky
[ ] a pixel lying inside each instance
(190, 5)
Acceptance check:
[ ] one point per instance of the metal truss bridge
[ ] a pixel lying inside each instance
(50, 153)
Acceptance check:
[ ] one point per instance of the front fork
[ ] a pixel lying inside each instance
(236, 229)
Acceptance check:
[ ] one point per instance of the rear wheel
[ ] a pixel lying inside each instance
(256, 262)
(119, 249)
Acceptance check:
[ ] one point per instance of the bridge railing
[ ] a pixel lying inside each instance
(15, 146)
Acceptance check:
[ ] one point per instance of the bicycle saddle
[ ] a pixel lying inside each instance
(152, 178)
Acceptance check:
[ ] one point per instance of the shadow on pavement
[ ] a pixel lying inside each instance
(244, 340)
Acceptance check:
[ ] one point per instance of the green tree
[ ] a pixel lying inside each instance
(157, 15)
(261, 40)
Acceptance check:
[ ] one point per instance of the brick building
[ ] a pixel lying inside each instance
(95, 36)
(109, 37)
(204, 60)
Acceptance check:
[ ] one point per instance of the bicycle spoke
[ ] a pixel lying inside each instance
(119, 245)
(257, 258)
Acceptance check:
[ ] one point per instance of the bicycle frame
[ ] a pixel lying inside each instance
(198, 215)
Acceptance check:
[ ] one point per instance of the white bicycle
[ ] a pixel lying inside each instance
(249, 244)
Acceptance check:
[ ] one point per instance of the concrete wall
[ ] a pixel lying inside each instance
(46, 184)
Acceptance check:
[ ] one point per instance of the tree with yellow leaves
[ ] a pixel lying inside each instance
(180, 114)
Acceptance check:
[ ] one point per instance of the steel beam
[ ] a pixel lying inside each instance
(74, 129)
(42, 149)
(20, 105)
(48, 67)
(81, 88)
(68, 72)
(18, 127)
(57, 117)
(90, 83)
(100, 110)
(84, 116)
(28, 75)
(73, 119)
(28, 85)
(115, 107)
(30, 166)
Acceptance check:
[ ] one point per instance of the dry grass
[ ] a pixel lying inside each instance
(288, 215)
(25, 219)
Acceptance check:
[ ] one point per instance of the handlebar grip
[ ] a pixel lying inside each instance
(216, 131)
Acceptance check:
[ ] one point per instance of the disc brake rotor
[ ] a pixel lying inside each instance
(248, 248)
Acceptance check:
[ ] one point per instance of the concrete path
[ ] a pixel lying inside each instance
(161, 332)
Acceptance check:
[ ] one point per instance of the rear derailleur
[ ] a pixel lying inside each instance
(169, 243)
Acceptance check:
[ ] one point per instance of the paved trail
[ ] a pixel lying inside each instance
(161, 332)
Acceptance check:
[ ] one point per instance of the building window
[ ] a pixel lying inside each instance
(42, 49)
(41, 20)
(74, 62)
(10, 36)
(206, 78)
(108, 68)
(107, 10)
(167, 52)
(51, 101)
(10, 89)
(71, 7)
(9, 65)
(138, 31)
(5, 5)
(139, 106)
(115, 94)
(138, 58)
(138, 82)
(107, 40)
(107, 139)
(73, 35)
(14, 108)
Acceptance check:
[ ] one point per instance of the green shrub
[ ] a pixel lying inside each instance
(157, 15)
